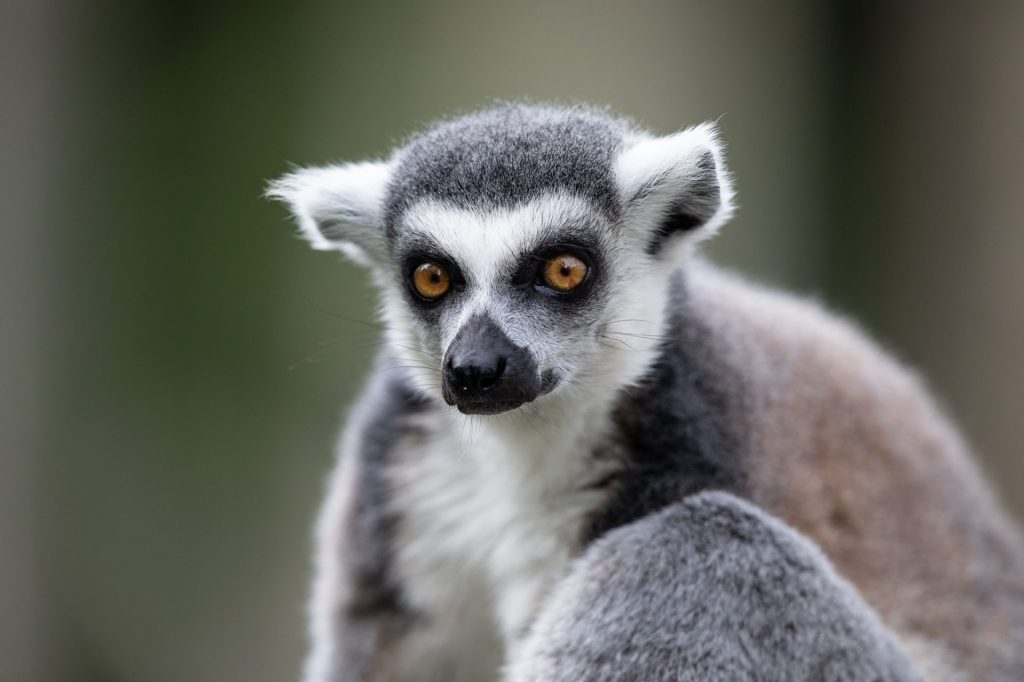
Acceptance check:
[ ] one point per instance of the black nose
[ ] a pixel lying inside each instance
(476, 373)
(485, 372)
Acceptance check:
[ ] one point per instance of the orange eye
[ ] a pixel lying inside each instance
(431, 281)
(564, 272)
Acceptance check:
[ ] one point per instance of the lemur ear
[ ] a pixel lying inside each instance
(339, 208)
(675, 186)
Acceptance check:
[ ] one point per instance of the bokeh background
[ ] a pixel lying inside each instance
(175, 363)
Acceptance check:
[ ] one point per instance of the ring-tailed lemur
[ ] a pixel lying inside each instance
(588, 455)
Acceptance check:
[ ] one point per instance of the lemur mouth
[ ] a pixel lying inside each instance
(489, 407)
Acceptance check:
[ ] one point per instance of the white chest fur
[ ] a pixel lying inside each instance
(491, 512)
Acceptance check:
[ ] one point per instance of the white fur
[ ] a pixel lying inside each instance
(495, 503)
(662, 166)
(330, 583)
(349, 196)
(481, 239)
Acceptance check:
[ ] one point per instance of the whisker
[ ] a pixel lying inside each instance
(640, 335)
(339, 316)
(535, 412)
(630, 319)
(436, 356)
(623, 346)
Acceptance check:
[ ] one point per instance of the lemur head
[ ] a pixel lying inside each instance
(522, 251)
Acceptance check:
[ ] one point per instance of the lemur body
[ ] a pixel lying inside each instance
(648, 460)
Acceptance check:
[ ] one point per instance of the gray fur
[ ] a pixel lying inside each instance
(674, 431)
(506, 155)
(709, 590)
(371, 616)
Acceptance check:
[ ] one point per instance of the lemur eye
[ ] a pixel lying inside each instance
(431, 281)
(564, 272)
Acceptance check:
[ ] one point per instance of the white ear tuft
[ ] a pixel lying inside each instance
(676, 185)
(339, 208)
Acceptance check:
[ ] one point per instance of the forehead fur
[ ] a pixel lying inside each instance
(480, 241)
(508, 155)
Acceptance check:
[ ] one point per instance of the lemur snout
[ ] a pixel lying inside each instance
(485, 372)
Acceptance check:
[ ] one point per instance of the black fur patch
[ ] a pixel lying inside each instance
(674, 429)
(509, 154)
(376, 592)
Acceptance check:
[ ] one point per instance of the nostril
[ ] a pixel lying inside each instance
(489, 376)
(460, 376)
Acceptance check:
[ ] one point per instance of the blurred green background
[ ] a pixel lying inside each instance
(175, 363)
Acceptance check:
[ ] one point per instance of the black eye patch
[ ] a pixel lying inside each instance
(528, 272)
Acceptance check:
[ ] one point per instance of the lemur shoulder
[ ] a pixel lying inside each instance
(587, 454)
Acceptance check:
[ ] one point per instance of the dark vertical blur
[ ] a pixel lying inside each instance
(926, 240)
(175, 362)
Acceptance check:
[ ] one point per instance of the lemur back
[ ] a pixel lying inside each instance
(565, 385)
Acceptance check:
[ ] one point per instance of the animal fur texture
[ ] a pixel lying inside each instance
(657, 471)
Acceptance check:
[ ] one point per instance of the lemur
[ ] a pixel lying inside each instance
(586, 454)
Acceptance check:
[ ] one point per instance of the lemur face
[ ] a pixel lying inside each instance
(522, 252)
(510, 299)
